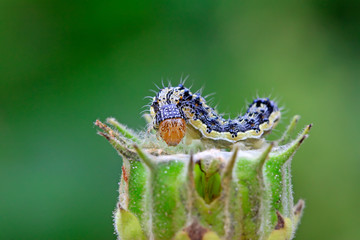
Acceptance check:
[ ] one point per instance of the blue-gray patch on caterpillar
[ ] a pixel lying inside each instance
(167, 112)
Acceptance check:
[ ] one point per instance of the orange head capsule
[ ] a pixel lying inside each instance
(172, 130)
(169, 121)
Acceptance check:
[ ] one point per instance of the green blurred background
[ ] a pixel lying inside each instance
(64, 64)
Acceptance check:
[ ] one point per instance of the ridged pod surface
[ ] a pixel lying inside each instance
(193, 192)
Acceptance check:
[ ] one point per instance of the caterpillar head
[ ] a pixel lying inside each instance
(167, 115)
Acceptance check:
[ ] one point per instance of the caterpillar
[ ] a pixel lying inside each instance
(175, 110)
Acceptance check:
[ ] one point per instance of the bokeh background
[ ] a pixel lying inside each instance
(64, 64)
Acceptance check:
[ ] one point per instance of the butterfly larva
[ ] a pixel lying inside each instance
(174, 109)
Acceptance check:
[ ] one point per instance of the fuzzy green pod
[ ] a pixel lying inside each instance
(193, 192)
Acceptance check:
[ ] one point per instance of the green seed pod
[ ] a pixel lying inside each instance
(195, 191)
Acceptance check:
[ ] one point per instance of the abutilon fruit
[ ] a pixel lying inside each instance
(201, 191)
